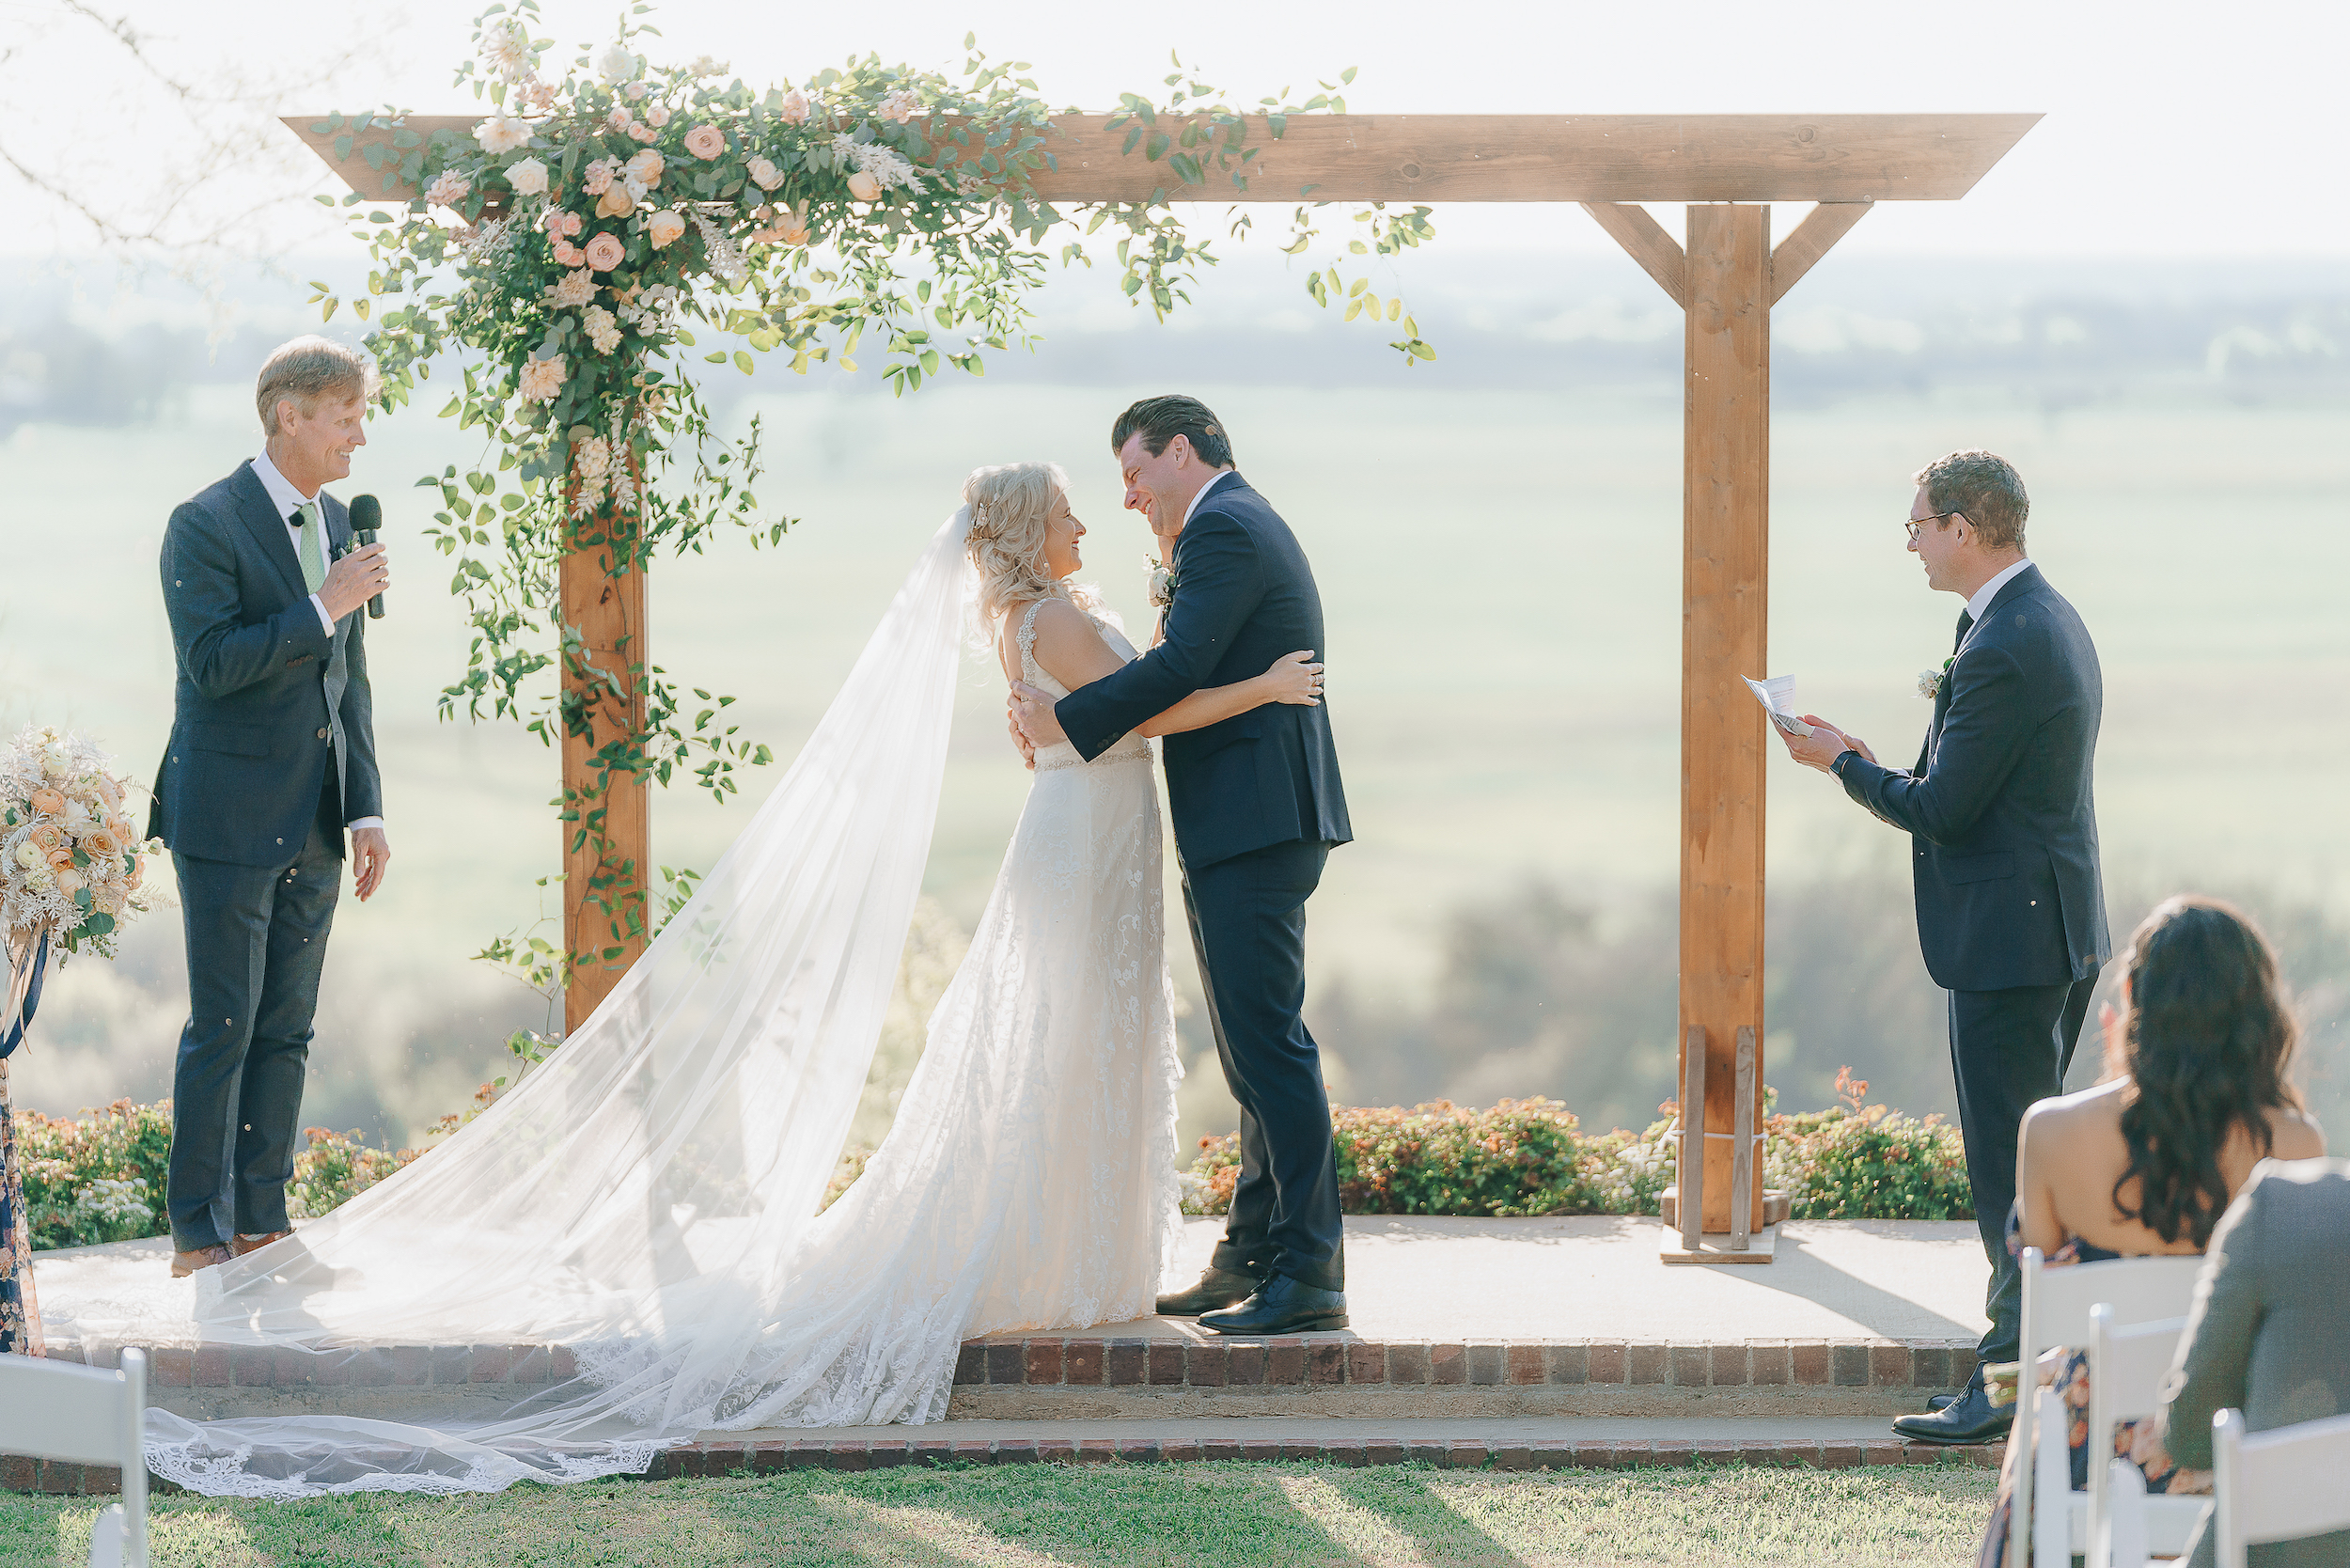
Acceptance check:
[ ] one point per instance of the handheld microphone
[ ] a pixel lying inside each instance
(366, 516)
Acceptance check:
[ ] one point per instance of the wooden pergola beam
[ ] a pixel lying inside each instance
(1581, 158)
(1727, 169)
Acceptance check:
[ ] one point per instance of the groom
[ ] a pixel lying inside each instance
(1258, 808)
(272, 754)
(2003, 833)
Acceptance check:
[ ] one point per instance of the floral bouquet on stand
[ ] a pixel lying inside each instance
(71, 870)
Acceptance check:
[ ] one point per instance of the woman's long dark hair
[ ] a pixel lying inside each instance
(2206, 1042)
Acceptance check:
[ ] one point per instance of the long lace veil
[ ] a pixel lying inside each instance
(632, 1209)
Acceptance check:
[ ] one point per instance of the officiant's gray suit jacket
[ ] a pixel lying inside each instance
(267, 701)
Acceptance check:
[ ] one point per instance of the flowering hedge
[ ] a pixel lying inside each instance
(1852, 1161)
(100, 1178)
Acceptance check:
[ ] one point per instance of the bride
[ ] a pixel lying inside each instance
(646, 1199)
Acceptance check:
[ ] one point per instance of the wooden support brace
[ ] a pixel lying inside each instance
(1822, 227)
(1692, 1160)
(1645, 240)
(1741, 1151)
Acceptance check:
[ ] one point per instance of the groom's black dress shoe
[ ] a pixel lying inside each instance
(1217, 1287)
(1281, 1305)
(1971, 1418)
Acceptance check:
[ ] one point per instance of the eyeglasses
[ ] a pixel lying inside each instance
(1914, 523)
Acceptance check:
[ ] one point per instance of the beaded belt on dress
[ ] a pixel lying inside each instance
(1133, 748)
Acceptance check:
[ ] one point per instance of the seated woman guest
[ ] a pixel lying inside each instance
(2267, 1335)
(2195, 1095)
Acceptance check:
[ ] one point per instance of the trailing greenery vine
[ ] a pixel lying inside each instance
(598, 238)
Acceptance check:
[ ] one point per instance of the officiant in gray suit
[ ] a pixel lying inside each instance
(272, 758)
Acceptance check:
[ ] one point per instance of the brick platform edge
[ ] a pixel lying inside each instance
(1308, 1360)
(770, 1455)
(1324, 1361)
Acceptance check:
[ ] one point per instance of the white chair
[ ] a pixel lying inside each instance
(2277, 1485)
(2126, 1367)
(2055, 1312)
(86, 1415)
(2122, 1544)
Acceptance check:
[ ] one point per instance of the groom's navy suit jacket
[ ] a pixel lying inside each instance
(2000, 808)
(1243, 596)
(267, 700)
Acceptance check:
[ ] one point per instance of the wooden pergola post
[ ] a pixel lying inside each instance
(1727, 168)
(603, 891)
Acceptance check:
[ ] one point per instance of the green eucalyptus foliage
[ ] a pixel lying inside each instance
(871, 210)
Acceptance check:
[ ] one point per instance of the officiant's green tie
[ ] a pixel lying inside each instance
(313, 549)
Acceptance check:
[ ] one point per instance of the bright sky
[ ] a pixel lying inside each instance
(2173, 129)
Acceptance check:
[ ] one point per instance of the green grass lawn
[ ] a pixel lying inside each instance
(1158, 1516)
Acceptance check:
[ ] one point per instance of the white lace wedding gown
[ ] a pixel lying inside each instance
(646, 1199)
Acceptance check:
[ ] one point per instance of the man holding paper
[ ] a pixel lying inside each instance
(2003, 823)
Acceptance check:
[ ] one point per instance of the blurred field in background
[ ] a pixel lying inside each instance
(1497, 542)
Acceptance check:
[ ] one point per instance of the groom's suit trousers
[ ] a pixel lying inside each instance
(1249, 923)
(256, 945)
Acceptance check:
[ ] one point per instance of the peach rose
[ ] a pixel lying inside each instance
(616, 202)
(604, 252)
(60, 857)
(98, 843)
(49, 836)
(705, 142)
(568, 255)
(48, 802)
(662, 228)
(658, 115)
(68, 881)
(110, 792)
(646, 168)
(864, 186)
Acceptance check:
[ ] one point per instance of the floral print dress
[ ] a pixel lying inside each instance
(2132, 1440)
(19, 1314)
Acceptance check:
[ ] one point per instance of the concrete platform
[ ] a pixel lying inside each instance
(1431, 1280)
(1452, 1319)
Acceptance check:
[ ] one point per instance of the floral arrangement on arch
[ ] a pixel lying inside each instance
(72, 869)
(589, 233)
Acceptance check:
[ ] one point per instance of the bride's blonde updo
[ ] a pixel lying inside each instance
(1008, 507)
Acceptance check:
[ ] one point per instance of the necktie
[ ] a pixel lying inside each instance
(313, 548)
(1965, 620)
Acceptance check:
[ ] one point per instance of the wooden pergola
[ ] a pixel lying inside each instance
(1725, 275)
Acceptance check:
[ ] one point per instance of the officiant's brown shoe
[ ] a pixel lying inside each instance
(185, 1264)
(245, 1243)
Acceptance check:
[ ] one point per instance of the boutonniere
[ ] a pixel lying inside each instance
(1929, 680)
(1163, 584)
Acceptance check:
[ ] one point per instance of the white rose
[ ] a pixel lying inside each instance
(705, 66)
(615, 65)
(763, 174)
(500, 134)
(528, 178)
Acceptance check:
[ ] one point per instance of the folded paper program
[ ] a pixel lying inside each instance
(1777, 696)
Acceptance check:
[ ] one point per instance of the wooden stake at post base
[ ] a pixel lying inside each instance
(608, 613)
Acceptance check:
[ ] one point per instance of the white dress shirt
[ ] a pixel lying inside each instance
(1202, 494)
(289, 502)
(1990, 590)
